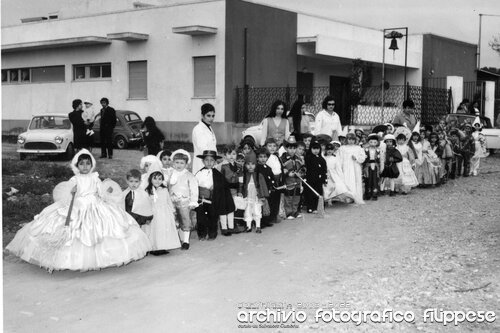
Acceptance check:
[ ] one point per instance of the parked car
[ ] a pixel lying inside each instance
(47, 134)
(254, 133)
(492, 134)
(127, 130)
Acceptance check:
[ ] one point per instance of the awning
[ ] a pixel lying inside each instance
(195, 30)
(55, 43)
(128, 36)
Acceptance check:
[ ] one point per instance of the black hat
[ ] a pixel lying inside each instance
(379, 128)
(207, 153)
(315, 144)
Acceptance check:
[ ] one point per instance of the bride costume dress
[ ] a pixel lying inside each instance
(351, 158)
(407, 178)
(100, 233)
(336, 189)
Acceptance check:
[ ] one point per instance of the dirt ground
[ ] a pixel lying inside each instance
(435, 248)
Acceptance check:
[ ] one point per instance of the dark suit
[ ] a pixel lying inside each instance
(80, 138)
(108, 123)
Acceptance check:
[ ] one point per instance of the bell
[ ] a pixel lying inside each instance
(394, 45)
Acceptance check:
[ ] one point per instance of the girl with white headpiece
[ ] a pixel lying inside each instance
(480, 145)
(149, 164)
(84, 232)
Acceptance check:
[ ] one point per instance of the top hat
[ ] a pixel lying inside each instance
(207, 153)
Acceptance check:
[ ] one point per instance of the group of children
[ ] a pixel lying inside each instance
(246, 189)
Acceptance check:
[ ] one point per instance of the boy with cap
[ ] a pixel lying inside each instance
(267, 173)
(214, 196)
(292, 165)
(277, 169)
(372, 167)
(468, 148)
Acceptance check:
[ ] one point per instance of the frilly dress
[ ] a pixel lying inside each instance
(407, 176)
(336, 189)
(101, 234)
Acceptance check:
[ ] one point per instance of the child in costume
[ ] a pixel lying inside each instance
(162, 231)
(254, 190)
(446, 158)
(372, 167)
(183, 189)
(457, 159)
(352, 156)
(232, 174)
(98, 234)
(274, 163)
(424, 170)
(149, 164)
(292, 165)
(390, 170)
(307, 138)
(436, 160)
(481, 150)
(265, 170)
(335, 189)
(315, 175)
(165, 157)
(135, 199)
(214, 196)
(407, 178)
(468, 149)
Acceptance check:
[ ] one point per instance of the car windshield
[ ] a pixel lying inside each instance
(50, 122)
(130, 117)
(461, 119)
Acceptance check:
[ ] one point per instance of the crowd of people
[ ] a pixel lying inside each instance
(93, 224)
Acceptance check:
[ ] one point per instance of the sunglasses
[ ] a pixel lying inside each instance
(330, 104)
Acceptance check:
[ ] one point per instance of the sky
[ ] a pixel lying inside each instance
(457, 19)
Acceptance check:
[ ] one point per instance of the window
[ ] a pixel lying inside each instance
(33, 75)
(137, 80)
(204, 76)
(91, 71)
(47, 74)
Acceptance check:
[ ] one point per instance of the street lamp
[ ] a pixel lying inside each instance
(394, 35)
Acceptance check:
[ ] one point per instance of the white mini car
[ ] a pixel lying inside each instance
(254, 132)
(47, 134)
(492, 134)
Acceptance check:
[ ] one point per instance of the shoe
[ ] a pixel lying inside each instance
(374, 198)
(110, 157)
(258, 231)
(404, 193)
(298, 215)
(234, 231)
(225, 232)
(249, 229)
(211, 238)
(290, 217)
(185, 246)
(202, 238)
(381, 193)
(314, 212)
(310, 211)
(159, 252)
(392, 193)
(367, 196)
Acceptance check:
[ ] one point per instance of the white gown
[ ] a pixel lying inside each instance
(336, 188)
(100, 234)
(162, 231)
(351, 168)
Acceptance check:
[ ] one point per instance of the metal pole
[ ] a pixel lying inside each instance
(479, 44)
(245, 78)
(406, 62)
(383, 71)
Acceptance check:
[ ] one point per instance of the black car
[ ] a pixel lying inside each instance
(127, 131)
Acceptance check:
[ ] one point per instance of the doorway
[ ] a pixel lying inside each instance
(339, 89)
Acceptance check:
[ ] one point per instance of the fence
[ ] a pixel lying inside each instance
(253, 104)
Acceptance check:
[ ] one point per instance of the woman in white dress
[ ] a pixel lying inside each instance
(203, 135)
(99, 234)
(352, 157)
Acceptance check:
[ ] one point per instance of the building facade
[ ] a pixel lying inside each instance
(166, 59)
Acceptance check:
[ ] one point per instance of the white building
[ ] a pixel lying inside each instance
(165, 59)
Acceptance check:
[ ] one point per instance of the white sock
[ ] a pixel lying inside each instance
(185, 236)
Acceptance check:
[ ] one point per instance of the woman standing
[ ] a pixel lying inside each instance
(152, 136)
(203, 135)
(327, 120)
(275, 125)
(298, 123)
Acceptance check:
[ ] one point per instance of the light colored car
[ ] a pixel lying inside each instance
(254, 133)
(492, 134)
(47, 134)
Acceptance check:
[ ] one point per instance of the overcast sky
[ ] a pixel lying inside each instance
(457, 19)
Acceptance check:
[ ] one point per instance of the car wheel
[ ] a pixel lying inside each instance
(22, 156)
(120, 142)
(70, 152)
(249, 138)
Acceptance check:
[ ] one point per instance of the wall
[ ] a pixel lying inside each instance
(448, 57)
(169, 56)
(271, 47)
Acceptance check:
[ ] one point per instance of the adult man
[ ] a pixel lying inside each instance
(75, 117)
(407, 117)
(108, 123)
(203, 135)
(327, 120)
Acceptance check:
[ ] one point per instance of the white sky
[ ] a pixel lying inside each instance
(457, 19)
